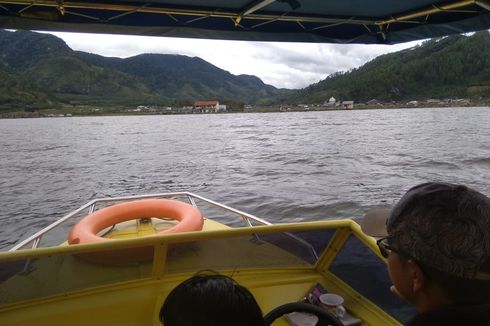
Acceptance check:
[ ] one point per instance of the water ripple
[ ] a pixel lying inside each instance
(294, 166)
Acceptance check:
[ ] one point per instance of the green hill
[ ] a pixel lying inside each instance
(70, 79)
(182, 77)
(21, 49)
(45, 67)
(17, 94)
(455, 66)
(41, 71)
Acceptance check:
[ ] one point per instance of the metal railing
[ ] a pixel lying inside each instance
(91, 205)
(249, 219)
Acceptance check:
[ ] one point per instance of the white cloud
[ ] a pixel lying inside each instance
(284, 65)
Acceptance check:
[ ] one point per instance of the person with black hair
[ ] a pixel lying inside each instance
(437, 242)
(210, 300)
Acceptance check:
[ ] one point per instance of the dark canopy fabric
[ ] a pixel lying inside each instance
(318, 21)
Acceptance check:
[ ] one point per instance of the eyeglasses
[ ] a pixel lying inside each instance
(384, 248)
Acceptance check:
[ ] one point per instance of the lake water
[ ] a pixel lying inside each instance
(297, 166)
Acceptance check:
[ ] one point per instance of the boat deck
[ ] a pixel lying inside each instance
(103, 282)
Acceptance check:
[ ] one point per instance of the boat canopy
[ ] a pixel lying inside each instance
(317, 21)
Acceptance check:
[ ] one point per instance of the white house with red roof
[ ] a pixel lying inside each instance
(208, 106)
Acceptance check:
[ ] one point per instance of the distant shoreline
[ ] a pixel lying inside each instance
(73, 113)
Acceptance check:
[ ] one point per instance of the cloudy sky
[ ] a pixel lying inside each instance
(284, 65)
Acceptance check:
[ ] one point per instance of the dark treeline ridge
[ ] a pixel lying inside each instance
(450, 67)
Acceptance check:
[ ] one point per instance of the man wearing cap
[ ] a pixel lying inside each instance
(437, 242)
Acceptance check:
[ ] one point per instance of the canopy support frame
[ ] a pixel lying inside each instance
(248, 12)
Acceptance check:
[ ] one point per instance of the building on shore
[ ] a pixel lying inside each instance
(330, 102)
(412, 104)
(347, 104)
(209, 107)
(373, 102)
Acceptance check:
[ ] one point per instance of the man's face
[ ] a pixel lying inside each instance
(400, 276)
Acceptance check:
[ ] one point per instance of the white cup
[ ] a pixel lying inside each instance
(333, 303)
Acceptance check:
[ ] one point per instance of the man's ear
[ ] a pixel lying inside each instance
(419, 279)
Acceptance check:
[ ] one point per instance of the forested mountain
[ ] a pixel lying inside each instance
(40, 70)
(182, 77)
(454, 66)
(14, 91)
(44, 72)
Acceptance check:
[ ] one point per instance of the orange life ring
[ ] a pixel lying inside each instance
(85, 231)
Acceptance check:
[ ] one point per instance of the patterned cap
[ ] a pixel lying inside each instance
(443, 226)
